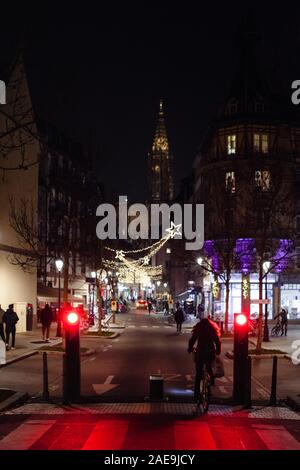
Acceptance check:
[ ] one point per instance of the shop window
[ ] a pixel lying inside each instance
(231, 144)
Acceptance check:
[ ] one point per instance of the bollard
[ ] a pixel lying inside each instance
(273, 399)
(156, 388)
(45, 378)
(248, 377)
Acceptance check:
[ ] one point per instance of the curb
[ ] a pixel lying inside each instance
(293, 402)
(19, 358)
(113, 336)
(89, 352)
(230, 355)
(18, 398)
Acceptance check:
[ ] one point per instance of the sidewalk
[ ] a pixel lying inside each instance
(28, 343)
(284, 343)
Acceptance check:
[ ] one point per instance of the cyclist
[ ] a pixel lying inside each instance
(207, 335)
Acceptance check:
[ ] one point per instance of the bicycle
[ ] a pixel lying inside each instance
(204, 392)
(276, 330)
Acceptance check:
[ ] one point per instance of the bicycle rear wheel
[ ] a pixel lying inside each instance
(204, 393)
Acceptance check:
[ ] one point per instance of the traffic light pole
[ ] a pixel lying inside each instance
(240, 365)
(71, 375)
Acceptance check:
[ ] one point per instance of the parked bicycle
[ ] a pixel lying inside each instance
(276, 330)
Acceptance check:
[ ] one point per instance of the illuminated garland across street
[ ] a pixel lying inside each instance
(137, 270)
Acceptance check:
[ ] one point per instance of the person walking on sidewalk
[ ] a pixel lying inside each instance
(283, 321)
(179, 317)
(10, 318)
(2, 313)
(46, 320)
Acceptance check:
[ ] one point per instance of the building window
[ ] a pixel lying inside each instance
(263, 180)
(259, 107)
(233, 107)
(230, 181)
(261, 143)
(231, 144)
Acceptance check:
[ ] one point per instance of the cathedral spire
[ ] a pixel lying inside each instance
(161, 139)
(160, 171)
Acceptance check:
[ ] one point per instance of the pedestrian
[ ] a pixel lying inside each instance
(206, 334)
(200, 309)
(284, 322)
(149, 306)
(2, 313)
(179, 317)
(46, 320)
(10, 318)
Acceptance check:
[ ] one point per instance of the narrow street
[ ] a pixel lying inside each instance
(118, 370)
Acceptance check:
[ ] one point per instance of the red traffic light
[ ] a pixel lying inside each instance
(241, 319)
(72, 318)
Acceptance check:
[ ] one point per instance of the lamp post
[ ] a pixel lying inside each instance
(93, 275)
(59, 266)
(266, 267)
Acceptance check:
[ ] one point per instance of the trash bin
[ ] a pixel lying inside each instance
(156, 388)
(29, 317)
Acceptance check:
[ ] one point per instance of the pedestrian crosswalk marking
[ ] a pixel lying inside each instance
(118, 433)
(25, 435)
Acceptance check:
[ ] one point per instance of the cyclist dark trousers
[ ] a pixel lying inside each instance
(200, 361)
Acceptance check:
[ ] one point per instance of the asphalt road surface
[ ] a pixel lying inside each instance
(119, 369)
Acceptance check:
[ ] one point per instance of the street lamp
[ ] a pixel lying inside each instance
(158, 283)
(200, 260)
(165, 284)
(266, 267)
(59, 266)
(93, 275)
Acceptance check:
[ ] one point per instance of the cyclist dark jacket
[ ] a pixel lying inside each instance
(208, 341)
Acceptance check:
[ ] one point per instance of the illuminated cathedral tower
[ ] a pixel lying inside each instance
(161, 163)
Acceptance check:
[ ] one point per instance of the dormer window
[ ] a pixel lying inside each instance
(233, 107)
(231, 144)
(259, 107)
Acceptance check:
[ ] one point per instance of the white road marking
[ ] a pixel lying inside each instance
(25, 435)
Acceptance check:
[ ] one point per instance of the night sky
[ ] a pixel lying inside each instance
(98, 74)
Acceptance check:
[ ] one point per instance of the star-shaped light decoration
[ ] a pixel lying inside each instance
(174, 230)
(120, 255)
(146, 260)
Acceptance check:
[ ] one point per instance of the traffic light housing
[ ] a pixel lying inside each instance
(240, 354)
(71, 386)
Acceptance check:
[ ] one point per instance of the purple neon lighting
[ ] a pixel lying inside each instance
(244, 249)
(281, 258)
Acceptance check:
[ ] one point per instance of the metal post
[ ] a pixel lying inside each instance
(58, 330)
(45, 378)
(72, 376)
(266, 329)
(248, 398)
(273, 399)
